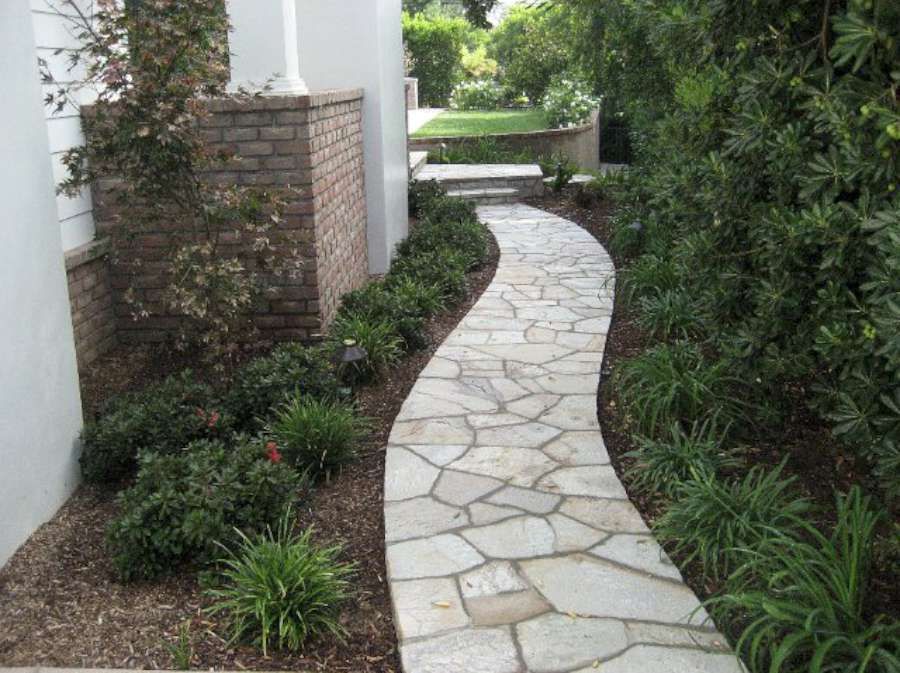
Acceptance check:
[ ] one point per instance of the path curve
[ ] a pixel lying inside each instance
(511, 543)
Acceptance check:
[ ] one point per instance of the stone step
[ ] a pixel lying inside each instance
(523, 180)
(417, 161)
(488, 197)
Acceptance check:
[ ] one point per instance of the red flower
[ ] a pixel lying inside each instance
(213, 419)
(272, 452)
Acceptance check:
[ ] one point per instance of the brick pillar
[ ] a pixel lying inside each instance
(311, 143)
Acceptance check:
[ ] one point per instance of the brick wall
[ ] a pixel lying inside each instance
(311, 143)
(91, 301)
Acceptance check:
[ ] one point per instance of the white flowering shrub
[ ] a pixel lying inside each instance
(480, 94)
(569, 102)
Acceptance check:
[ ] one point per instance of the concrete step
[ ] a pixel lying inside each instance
(488, 197)
(515, 182)
(417, 161)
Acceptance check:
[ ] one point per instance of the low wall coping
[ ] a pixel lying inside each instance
(86, 253)
(312, 99)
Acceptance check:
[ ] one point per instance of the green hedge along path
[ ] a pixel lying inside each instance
(512, 545)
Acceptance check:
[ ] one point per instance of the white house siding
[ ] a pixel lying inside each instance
(52, 32)
(40, 406)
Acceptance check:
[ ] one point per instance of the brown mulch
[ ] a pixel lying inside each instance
(820, 465)
(61, 604)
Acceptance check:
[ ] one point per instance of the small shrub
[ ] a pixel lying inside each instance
(278, 589)
(669, 314)
(664, 465)
(481, 150)
(162, 418)
(450, 210)
(647, 275)
(569, 102)
(421, 194)
(590, 194)
(404, 304)
(180, 505)
(715, 521)
(552, 164)
(674, 383)
(455, 229)
(264, 383)
(316, 436)
(442, 268)
(482, 94)
(810, 612)
(379, 339)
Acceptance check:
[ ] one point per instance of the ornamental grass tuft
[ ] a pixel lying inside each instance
(278, 590)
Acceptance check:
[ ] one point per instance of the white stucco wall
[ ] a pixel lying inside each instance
(53, 32)
(359, 43)
(40, 407)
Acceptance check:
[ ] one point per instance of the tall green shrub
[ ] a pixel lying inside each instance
(768, 169)
(435, 44)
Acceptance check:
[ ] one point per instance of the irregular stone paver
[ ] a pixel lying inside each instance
(512, 546)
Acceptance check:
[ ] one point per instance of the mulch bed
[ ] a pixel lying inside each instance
(819, 463)
(60, 601)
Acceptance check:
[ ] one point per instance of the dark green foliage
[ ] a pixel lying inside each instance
(451, 223)
(674, 383)
(421, 194)
(435, 45)
(266, 382)
(180, 505)
(767, 164)
(807, 599)
(716, 521)
(591, 194)
(404, 305)
(663, 465)
(378, 338)
(278, 589)
(481, 150)
(316, 436)
(669, 314)
(443, 268)
(162, 418)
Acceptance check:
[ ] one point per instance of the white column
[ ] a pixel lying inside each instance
(263, 44)
(359, 44)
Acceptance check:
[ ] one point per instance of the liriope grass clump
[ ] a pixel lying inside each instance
(278, 590)
(316, 436)
(806, 598)
(717, 520)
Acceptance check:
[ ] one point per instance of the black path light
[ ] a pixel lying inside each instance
(348, 355)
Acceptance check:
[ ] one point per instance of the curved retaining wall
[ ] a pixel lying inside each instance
(581, 143)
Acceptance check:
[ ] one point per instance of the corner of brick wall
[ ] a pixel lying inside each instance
(91, 301)
(312, 144)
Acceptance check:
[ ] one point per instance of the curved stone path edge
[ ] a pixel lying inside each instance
(512, 546)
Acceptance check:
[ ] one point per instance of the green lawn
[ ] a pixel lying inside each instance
(481, 122)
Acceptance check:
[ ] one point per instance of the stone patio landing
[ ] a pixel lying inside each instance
(512, 546)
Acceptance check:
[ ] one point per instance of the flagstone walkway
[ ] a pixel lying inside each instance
(512, 545)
